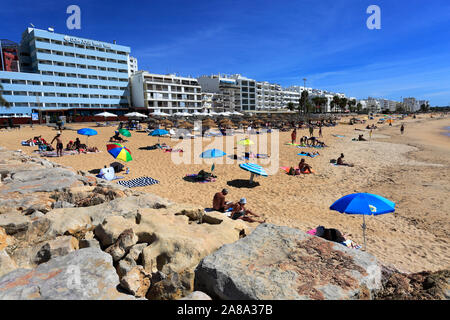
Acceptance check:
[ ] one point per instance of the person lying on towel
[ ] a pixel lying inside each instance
(240, 212)
(116, 137)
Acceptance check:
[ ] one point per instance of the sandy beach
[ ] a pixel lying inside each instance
(412, 170)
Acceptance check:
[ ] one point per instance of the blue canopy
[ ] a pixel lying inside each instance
(253, 168)
(212, 153)
(87, 132)
(363, 203)
(158, 132)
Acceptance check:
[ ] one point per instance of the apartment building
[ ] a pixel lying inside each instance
(269, 96)
(132, 65)
(411, 104)
(165, 93)
(64, 73)
(223, 91)
(290, 97)
(388, 105)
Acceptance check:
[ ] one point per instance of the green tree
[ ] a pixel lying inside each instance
(291, 106)
(425, 107)
(343, 104)
(359, 107)
(351, 105)
(335, 103)
(3, 102)
(303, 102)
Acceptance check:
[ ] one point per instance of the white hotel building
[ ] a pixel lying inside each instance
(165, 93)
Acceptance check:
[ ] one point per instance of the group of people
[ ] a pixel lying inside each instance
(308, 141)
(238, 209)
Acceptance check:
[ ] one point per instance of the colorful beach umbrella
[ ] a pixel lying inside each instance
(125, 132)
(365, 204)
(119, 152)
(245, 142)
(254, 169)
(212, 153)
(87, 132)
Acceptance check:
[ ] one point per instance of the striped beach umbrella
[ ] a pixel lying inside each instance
(119, 152)
(254, 169)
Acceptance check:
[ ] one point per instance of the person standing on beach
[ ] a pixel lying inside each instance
(311, 130)
(402, 129)
(370, 134)
(294, 135)
(320, 132)
(59, 144)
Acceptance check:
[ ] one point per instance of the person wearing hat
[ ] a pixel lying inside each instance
(219, 203)
(240, 212)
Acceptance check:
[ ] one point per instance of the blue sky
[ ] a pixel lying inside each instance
(284, 41)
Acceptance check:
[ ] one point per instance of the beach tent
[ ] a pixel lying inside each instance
(254, 169)
(365, 204)
(158, 133)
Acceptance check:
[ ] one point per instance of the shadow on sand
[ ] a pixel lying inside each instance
(241, 183)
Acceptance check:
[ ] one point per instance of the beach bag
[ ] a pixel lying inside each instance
(333, 161)
(203, 175)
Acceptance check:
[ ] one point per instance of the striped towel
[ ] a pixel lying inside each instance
(138, 182)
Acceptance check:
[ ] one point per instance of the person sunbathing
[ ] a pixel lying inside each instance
(92, 149)
(340, 161)
(312, 154)
(303, 167)
(240, 212)
(70, 146)
(116, 137)
(361, 138)
(219, 203)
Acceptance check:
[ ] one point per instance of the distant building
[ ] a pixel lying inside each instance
(411, 104)
(132, 65)
(226, 93)
(63, 75)
(165, 93)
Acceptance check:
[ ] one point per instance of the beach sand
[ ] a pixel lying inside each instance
(412, 170)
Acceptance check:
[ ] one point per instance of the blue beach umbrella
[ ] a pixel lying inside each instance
(254, 169)
(365, 204)
(212, 153)
(87, 132)
(158, 133)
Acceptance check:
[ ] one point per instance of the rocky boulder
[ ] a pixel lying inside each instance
(86, 274)
(276, 262)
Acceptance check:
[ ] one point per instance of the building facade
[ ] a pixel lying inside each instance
(226, 94)
(61, 72)
(132, 65)
(165, 93)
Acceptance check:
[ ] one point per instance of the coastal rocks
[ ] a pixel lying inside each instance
(14, 223)
(5, 240)
(108, 232)
(173, 287)
(276, 262)
(6, 263)
(81, 275)
(416, 286)
(31, 256)
(136, 281)
(121, 247)
(197, 295)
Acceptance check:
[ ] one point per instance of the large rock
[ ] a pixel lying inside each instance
(276, 262)
(5, 240)
(6, 263)
(136, 281)
(196, 295)
(14, 223)
(33, 255)
(120, 248)
(83, 274)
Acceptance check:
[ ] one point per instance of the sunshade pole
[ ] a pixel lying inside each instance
(364, 230)
(252, 175)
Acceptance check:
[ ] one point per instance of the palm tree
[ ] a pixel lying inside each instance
(303, 102)
(343, 103)
(359, 107)
(335, 102)
(3, 102)
(352, 104)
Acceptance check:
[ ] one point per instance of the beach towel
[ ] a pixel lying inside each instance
(292, 144)
(171, 150)
(54, 154)
(307, 155)
(286, 169)
(317, 147)
(227, 213)
(138, 182)
(194, 177)
(338, 136)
